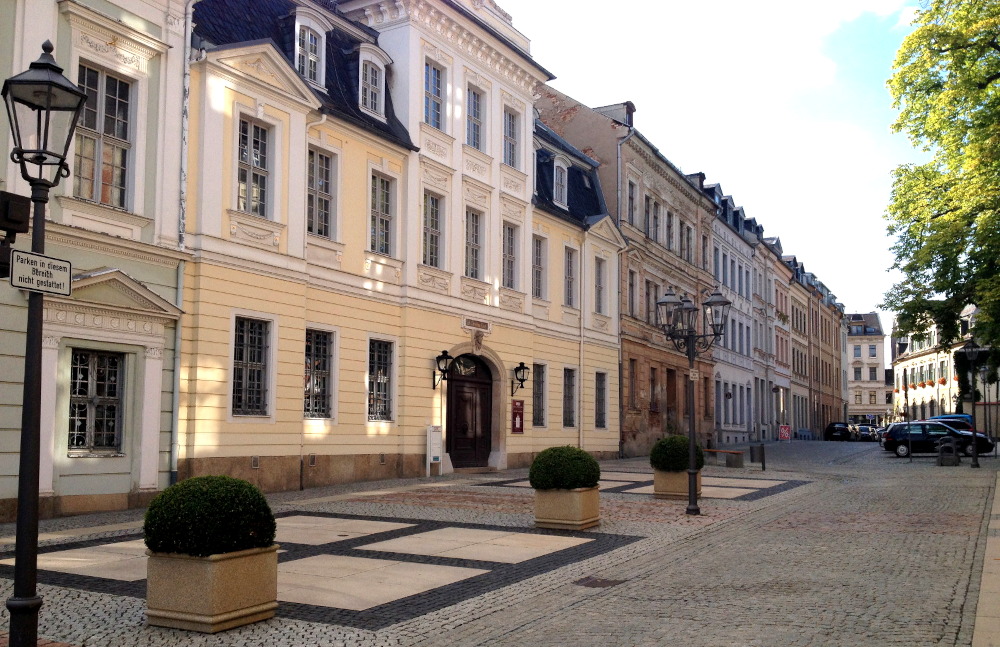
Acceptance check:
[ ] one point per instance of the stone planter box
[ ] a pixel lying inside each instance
(213, 593)
(567, 509)
(672, 485)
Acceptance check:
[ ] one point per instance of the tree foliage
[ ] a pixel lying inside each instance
(945, 214)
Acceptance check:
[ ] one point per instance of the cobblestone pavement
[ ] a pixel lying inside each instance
(869, 550)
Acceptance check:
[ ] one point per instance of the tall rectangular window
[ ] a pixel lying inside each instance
(308, 55)
(97, 380)
(509, 256)
(857, 350)
(704, 252)
(599, 280)
(250, 357)
(715, 262)
(103, 140)
(569, 397)
(371, 87)
(432, 230)
(433, 97)
(510, 138)
(538, 395)
(857, 373)
(872, 373)
(633, 395)
(631, 293)
(872, 351)
(379, 380)
(559, 187)
(319, 194)
(654, 390)
(647, 215)
(474, 119)
(473, 244)
(601, 400)
(670, 231)
(381, 223)
(631, 203)
(655, 233)
(252, 169)
(319, 350)
(569, 297)
(537, 267)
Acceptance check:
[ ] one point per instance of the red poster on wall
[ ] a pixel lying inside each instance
(517, 417)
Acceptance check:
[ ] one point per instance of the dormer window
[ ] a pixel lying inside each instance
(560, 182)
(371, 84)
(308, 54)
(371, 87)
(310, 46)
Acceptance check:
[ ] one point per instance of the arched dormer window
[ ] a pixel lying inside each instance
(310, 46)
(560, 181)
(371, 82)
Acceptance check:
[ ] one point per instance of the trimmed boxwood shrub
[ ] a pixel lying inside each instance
(208, 515)
(564, 468)
(670, 454)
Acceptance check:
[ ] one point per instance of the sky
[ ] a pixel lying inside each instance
(782, 102)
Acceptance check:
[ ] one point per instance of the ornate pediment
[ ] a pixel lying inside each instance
(112, 289)
(265, 65)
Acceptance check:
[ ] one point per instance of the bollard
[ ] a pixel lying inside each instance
(757, 455)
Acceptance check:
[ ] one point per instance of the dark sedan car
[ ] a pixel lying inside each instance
(922, 437)
(837, 431)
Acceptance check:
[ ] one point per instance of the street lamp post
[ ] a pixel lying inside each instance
(679, 318)
(43, 107)
(972, 351)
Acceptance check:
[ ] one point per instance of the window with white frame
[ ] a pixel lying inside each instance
(318, 381)
(569, 397)
(559, 183)
(250, 366)
(473, 244)
(538, 395)
(538, 267)
(474, 118)
(319, 194)
(103, 139)
(599, 283)
(509, 256)
(96, 397)
(873, 373)
(432, 230)
(371, 87)
(569, 294)
(433, 95)
(601, 400)
(380, 380)
(253, 168)
(382, 215)
(511, 139)
(308, 54)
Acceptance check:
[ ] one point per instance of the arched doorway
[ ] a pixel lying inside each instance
(470, 412)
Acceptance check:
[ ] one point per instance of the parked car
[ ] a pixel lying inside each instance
(923, 436)
(945, 417)
(866, 433)
(837, 431)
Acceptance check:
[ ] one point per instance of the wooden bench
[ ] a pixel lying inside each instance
(734, 458)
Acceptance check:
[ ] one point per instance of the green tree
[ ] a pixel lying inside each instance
(945, 214)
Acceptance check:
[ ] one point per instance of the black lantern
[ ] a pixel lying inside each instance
(443, 365)
(716, 313)
(520, 377)
(43, 107)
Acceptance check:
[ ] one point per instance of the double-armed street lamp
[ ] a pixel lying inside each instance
(679, 318)
(43, 107)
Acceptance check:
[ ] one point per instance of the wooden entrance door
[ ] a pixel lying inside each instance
(470, 412)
